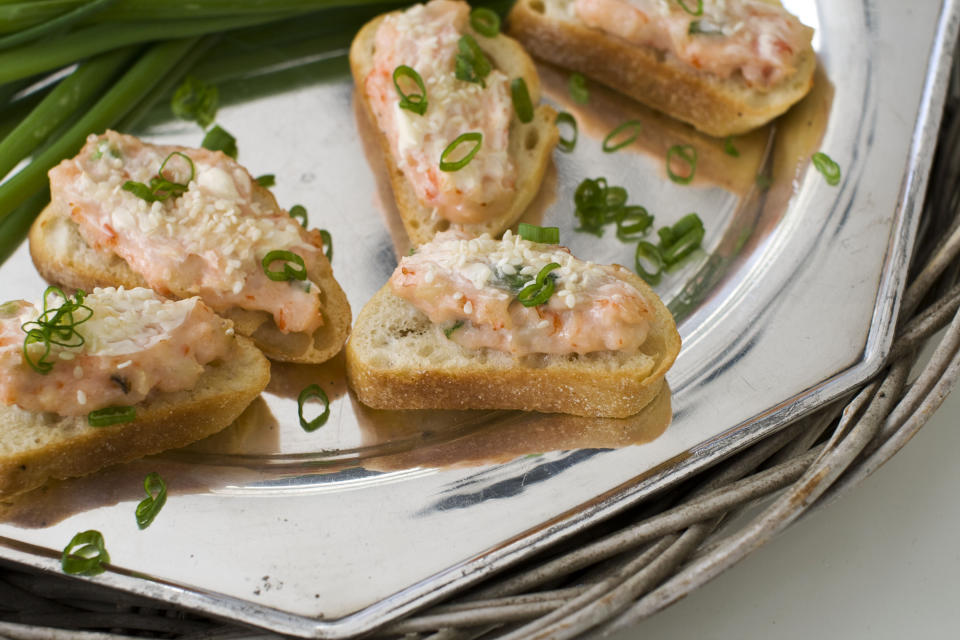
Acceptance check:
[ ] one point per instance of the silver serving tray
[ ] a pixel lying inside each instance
(331, 533)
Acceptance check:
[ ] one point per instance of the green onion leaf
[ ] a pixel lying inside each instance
(705, 28)
(688, 155)
(267, 180)
(471, 65)
(111, 415)
(648, 262)
(313, 391)
(456, 165)
(578, 88)
(698, 11)
(196, 101)
(416, 102)
(521, 99)
(327, 244)
(826, 166)
(485, 22)
(567, 144)
(161, 188)
(85, 554)
(539, 291)
(729, 149)
(288, 272)
(218, 139)
(299, 213)
(533, 233)
(150, 506)
(633, 126)
(449, 330)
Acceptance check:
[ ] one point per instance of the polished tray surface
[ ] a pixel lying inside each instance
(790, 304)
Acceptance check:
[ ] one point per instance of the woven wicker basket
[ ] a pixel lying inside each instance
(643, 560)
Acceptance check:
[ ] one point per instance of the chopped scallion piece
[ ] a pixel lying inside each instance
(632, 223)
(111, 415)
(150, 506)
(704, 28)
(162, 188)
(313, 391)
(416, 102)
(267, 180)
(471, 65)
(578, 88)
(567, 144)
(685, 236)
(826, 166)
(539, 291)
(85, 554)
(219, 139)
(449, 330)
(698, 11)
(196, 101)
(521, 99)
(456, 165)
(299, 213)
(327, 244)
(648, 262)
(288, 272)
(613, 142)
(485, 22)
(687, 154)
(533, 233)
(55, 325)
(729, 149)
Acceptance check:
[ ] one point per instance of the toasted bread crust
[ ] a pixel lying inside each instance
(398, 359)
(61, 255)
(36, 447)
(715, 106)
(531, 143)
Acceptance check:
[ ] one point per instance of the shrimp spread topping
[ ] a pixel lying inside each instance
(471, 286)
(758, 39)
(130, 341)
(425, 38)
(208, 241)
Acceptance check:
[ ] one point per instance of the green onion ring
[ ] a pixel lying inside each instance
(327, 244)
(697, 12)
(299, 213)
(634, 221)
(683, 246)
(539, 291)
(449, 330)
(521, 99)
(825, 165)
(567, 144)
(485, 22)
(416, 102)
(578, 88)
(688, 154)
(473, 136)
(267, 180)
(111, 415)
(729, 149)
(533, 233)
(150, 506)
(313, 391)
(85, 554)
(634, 125)
(650, 253)
(193, 169)
(288, 272)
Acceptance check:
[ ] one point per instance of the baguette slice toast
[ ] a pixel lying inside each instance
(398, 359)
(36, 447)
(550, 30)
(62, 256)
(531, 143)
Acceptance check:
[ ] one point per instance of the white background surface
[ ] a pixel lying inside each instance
(882, 562)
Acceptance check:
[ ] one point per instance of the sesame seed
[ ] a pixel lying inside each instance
(81, 397)
(78, 372)
(468, 307)
(125, 364)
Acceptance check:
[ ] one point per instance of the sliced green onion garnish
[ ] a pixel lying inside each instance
(85, 555)
(150, 506)
(826, 166)
(313, 391)
(55, 325)
(683, 238)
(219, 139)
(327, 244)
(456, 165)
(197, 101)
(288, 272)
(648, 255)
(111, 415)
(729, 149)
(267, 180)
(416, 102)
(610, 143)
(471, 65)
(688, 155)
(449, 330)
(161, 188)
(533, 233)
(299, 213)
(485, 22)
(704, 28)
(521, 99)
(578, 88)
(539, 291)
(698, 11)
(633, 222)
(567, 144)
